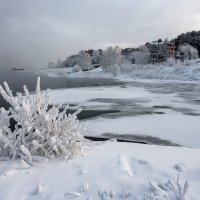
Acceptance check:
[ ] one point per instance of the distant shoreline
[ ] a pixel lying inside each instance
(17, 69)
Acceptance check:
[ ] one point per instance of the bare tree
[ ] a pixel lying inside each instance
(142, 55)
(110, 56)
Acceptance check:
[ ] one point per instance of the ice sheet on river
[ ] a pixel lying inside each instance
(156, 112)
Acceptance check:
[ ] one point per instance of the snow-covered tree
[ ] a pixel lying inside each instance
(127, 68)
(158, 52)
(114, 69)
(142, 55)
(76, 68)
(40, 131)
(192, 38)
(71, 61)
(110, 56)
(84, 60)
(58, 64)
(187, 52)
(96, 56)
(51, 65)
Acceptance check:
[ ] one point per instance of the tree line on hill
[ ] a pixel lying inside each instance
(192, 38)
(187, 48)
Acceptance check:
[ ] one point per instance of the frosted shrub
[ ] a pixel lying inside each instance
(114, 70)
(127, 68)
(188, 52)
(178, 190)
(171, 62)
(40, 131)
(142, 56)
(163, 191)
(188, 62)
(4, 118)
(110, 56)
(76, 68)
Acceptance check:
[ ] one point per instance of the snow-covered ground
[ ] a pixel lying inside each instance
(109, 171)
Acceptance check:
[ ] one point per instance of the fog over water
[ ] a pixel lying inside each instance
(16, 80)
(36, 32)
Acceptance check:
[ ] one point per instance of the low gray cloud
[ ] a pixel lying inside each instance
(35, 32)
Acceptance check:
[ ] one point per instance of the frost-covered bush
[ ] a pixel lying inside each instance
(141, 56)
(188, 62)
(163, 72)
(114, 70)
(110, 56)
(187, 52)
(164, 191)
(76, 68)
(127, 68)
(178, 190)
(40, 131)
(171, 62)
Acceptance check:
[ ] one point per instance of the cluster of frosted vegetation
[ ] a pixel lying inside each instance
(163, 72)
(40, 131)
(140, 63)
(76, 68)
(170, 70)
(176, 188)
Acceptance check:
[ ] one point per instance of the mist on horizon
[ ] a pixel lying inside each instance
(36, 32)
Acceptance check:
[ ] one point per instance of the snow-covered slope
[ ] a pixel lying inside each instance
(109, 171)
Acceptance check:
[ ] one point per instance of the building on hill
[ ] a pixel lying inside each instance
(171, 50)
(160, 51)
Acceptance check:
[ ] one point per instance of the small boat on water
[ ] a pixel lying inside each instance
(18, 69)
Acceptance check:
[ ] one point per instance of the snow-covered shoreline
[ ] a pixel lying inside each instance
(133, 72)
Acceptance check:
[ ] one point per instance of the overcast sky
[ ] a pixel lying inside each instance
(34, 32)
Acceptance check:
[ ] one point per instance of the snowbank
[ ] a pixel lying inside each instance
(113, 170)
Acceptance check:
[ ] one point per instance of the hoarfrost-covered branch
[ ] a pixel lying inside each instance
(39, 130)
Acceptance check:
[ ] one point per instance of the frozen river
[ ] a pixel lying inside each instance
(154, 112)
(165, 113)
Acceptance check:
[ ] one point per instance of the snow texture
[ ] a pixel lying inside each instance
(153, 175)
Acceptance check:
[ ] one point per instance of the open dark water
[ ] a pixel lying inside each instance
(16, 80)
